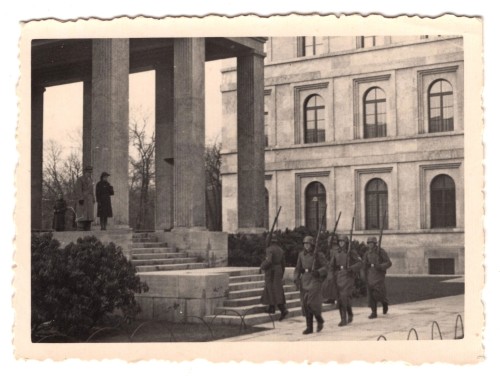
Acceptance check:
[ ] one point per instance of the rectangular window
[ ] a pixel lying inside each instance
(442, 266)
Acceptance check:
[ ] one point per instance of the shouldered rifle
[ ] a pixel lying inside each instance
(268, 239)
(381, 232)
(334, 231)
(316, 245)
(350, 241)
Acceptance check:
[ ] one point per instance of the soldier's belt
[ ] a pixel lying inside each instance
(337, 268)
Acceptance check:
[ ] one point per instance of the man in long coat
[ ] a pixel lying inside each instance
(274, 268)
(308, 276)
(329, 287)
(84, 191)
(345, 264)
(103, 193)
(376, 262)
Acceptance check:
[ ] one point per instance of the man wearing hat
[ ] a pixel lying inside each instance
(84, 192)
(274, 268)
(103, 193)
(345, 264)
(308, 276)
(376, 262)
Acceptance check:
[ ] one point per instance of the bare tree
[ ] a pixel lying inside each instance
(213, 187)
(142, 167)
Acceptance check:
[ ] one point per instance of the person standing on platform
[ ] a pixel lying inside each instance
(60, 214)
(376, 262)
(274, 269)
(308, 276)
(103, 193)
(345, 264)
(84, 192)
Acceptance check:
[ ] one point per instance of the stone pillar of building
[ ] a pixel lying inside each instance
(164, 147)
(110, 122)
(189, 131)
(36, 155)
(87, 124)
(250, 118)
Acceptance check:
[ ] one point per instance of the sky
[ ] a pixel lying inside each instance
(63, 107)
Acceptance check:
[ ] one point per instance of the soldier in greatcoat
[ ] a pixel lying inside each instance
(376, 262)
(329, 287)
(345, 264)
(103, 193)
(84, 192)
(274, 269)
(60, 214)
(309, 273)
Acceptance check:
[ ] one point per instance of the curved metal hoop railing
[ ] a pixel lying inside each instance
(131, 337)
(409, 334)
(57, 335)
(242, 322)
(435, 324)
(252, 309)
(205, 323)
(381, 337)
(462, 327)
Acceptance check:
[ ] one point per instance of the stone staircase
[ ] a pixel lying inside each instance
(245, 290)
(150, 255)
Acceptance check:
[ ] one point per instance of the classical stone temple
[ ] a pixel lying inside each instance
(104, 65)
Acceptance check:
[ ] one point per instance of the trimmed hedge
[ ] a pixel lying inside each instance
(77, 288)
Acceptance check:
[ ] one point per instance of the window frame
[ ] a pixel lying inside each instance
(380, 128)
(309, 198)
(379, 214)
(443, 208)
(440, 95)
(314, 108)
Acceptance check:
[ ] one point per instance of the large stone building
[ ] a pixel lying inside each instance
(367, 125)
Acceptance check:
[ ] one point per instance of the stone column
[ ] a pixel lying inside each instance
(110, 93)
(87, 124)
(36, 155)
(250, 117)
(164, 148)
(189, 130)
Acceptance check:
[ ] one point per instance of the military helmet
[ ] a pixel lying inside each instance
(343, 238)
(274, 237)
(371, 239)
(308, 239)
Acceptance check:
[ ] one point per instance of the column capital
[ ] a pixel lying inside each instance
(253, 53)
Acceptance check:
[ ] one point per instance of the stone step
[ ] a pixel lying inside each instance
(158, 255)
(234, 273)
(246, 278)
(246, 285)
(136, 251)
(149, 245)
(167, 261)
(237, 294)
(157, 268)
(252, 309)
(253, 319)
(142, 235)
(253, 300)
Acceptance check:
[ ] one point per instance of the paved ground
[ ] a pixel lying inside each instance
(394, 326)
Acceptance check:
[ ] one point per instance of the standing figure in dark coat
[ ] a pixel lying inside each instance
(60, 214)
(84, 192)
(329, 287)
(103, 193)
(345, 264)
(308, 276)
(274, 268)
(376, 262)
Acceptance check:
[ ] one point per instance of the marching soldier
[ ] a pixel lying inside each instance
(310, 270)
(329, 287)
(345, 264)
(274, 268)
(376, 262)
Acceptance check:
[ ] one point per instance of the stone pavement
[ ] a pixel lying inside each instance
(394, 326)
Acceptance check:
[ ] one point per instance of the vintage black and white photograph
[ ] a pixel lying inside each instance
(215, 186)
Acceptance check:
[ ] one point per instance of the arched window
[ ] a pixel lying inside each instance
(315, 205)
(440, 106)
(310, 46)
(314, 119)
(443, 205)
(374, 120)
(376, 204)
(266, 213)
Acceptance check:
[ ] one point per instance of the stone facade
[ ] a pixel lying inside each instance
(407, 159)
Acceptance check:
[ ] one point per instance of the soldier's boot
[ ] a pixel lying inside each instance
(320, 321)
(385, 307)
(343, 320)
(350, 315)
(283, 311)
(309, 322)
(373, 315)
